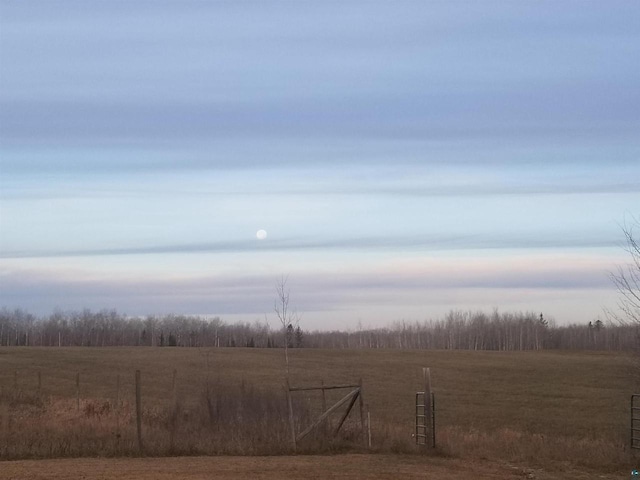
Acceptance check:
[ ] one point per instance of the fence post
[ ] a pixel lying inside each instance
(118, 392)
(3, 417)
(361, 407)
(118, 412)
(325, 425)
(78, 391)
(369, 425)
(433, 420)
(324, 397)
(173, 417)
(138, 411)
(292, 425)
(39, 382)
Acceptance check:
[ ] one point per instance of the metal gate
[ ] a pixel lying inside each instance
(422, 434)
(635, 421)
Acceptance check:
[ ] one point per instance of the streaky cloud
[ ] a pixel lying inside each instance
(447, 242)
(254, 294)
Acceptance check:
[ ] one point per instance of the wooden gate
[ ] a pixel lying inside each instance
(351, 397)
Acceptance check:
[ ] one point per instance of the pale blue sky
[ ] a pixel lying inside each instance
(406, 158)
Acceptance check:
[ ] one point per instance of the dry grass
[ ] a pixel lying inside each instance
(222, 420)
(537, 408)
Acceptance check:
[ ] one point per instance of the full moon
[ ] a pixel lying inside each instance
(261, 234)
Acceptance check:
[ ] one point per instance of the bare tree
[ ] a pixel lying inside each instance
(289, 319)
(627, 278)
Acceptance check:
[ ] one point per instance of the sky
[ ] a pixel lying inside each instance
(405, 158)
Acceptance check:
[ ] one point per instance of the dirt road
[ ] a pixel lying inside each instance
(376, 467)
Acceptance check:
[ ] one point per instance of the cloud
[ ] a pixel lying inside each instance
(418, 242)
(316, 290)
(173, 75)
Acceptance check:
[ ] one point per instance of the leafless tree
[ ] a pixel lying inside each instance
(627, 278)
(289, 319)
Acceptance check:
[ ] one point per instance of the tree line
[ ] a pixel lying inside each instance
(458, 330)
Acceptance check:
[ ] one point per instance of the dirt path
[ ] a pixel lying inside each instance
(376, 467)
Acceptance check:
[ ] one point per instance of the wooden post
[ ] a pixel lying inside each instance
(369, 425)
(39, 382)
(361, 407)
(325, 425)
(78, 391)
(292, 425)
(138, 411)
(173, 417)
(324, 397)
(118, 411)
(428, 407)
(4, 417)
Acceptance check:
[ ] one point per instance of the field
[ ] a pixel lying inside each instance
(546, 412)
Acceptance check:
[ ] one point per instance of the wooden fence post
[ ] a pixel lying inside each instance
(173, 417)
(326, 427)
(292, 425)
(138, 411)
(3, 417)
(78, 391)
(361, 407)
(324, 397)
(118, 411)
(369, 425)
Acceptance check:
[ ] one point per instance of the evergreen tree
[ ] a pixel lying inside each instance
(299, 337)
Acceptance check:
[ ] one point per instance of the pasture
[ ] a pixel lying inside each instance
(544, 410)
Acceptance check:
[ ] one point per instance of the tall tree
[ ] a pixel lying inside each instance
(289, 319)
(627, 277)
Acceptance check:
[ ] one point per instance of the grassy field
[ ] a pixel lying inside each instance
(540, 409)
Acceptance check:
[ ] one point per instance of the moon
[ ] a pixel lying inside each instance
(261, 234)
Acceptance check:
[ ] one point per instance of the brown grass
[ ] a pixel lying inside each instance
(537, 408)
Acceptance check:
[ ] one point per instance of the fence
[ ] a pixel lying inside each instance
(73, 414)
(130, 413)
(425, 420)
(635, 421)
(425, 424)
